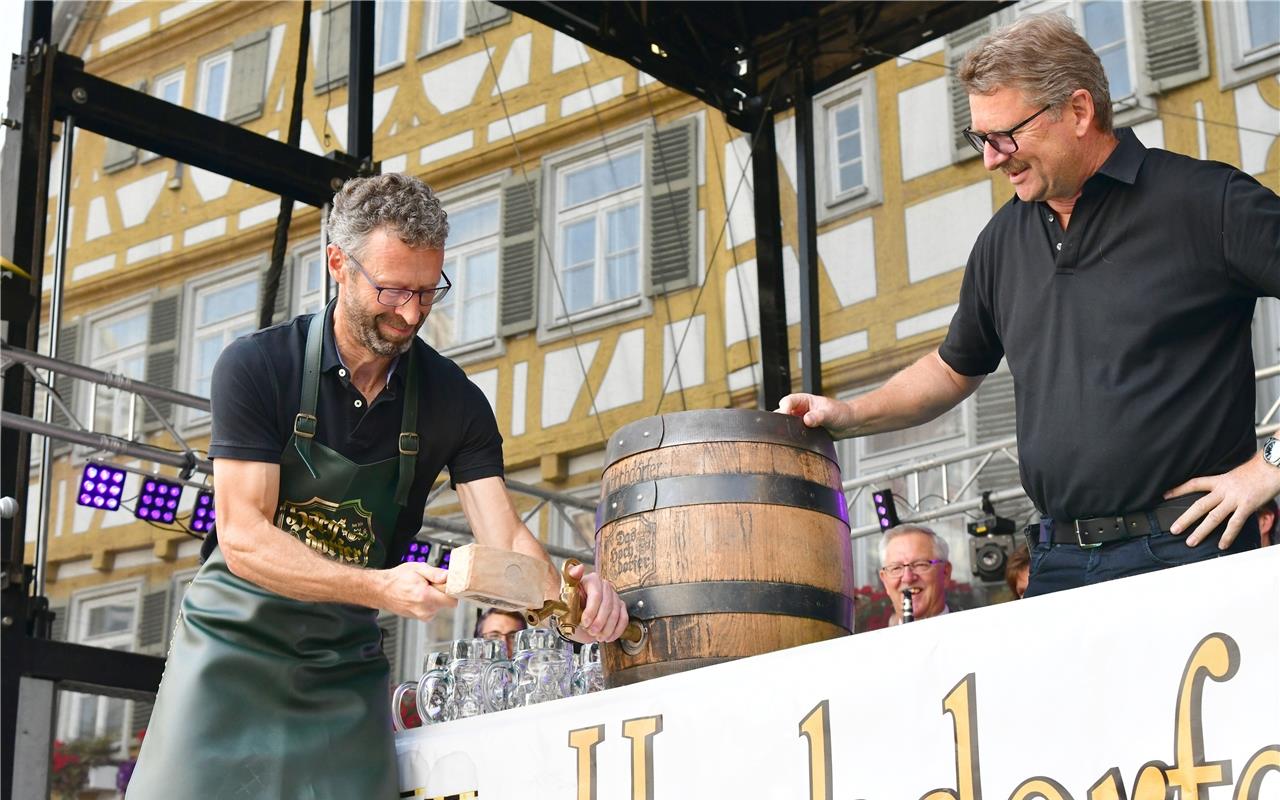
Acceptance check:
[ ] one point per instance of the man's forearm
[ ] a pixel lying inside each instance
(274, 560)
(917, 394)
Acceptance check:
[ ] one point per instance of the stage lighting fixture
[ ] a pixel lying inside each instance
(417, 552)
(886, 511)
(202, 513)
(100, 486)
(158, 500)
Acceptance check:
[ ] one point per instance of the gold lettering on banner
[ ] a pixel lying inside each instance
(1217, 656)
(641, 732)
(816, 727)
(961, 704)
(584, 740)
(341, 531)
(1040, 787)
(1109, 787)
(1265, 760)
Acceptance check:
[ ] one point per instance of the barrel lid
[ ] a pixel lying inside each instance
(718, 425)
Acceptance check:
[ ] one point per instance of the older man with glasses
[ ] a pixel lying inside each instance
(328, 433)
(914, 560)
(1119, 284)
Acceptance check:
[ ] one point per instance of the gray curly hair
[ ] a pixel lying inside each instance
(1044, 57)
(402, 203)
(941, 550)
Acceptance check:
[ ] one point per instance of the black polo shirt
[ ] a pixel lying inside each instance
(1128, 334)
(257, 390)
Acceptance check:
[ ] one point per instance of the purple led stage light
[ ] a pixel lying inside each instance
(100, 486)
(158, 500)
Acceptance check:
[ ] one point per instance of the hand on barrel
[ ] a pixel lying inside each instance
(818, 411)
(604, 615)
(413, 589)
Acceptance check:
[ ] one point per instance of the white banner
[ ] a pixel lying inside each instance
(1124, 691)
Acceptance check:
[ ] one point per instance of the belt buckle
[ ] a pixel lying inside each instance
(1080, 537)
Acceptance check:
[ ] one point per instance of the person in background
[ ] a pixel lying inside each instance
(1267, 523)
(1017, 571)
(494, 623)
(915, 559)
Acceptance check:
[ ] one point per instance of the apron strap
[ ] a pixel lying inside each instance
(304, 424)
(409, 441)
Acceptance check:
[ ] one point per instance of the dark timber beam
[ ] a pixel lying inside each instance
(360, 84)
(807, 224)
(775, 365)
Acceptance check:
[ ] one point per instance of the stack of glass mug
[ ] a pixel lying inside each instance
(475, 677)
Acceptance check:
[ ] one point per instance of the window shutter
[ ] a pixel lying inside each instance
(957, 45)
(996, 418)
(151, 626)
(333, 55)
(248, 86)
(1175, 46)
(482, 15)
(673, 207)
(140, 717)
(120, 155)
(162, 354)
(517, 291)
(58, 631)
(64, 385)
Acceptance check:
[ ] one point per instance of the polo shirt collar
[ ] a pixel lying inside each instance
(331, 359)
(1125, 161)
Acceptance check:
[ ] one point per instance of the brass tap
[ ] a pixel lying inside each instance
(567, 611)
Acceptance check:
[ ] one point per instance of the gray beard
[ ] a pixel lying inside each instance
(365, 326)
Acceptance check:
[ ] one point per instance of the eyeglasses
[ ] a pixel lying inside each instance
(918, 567)
(1000, 141)
(395, 298)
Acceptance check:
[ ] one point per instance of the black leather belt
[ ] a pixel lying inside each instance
(1097, 531)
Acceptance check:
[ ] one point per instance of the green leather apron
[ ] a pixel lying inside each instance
(268, 697)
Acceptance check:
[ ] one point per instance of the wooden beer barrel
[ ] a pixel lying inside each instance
(726, 534)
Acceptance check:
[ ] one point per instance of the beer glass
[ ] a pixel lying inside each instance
(463, 684)
(589, 676)
(542, 667)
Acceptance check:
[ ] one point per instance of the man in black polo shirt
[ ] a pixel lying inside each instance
(1119, 283)
(328, 432)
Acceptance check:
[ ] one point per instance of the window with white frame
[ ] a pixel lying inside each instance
(443, 23)
(107, 621)
(469, 312)
(117, 343)
(1248, 34)
(309, 280)
(223, 311)
(215, 80)
(389, 34)
(571, 527)
(599, 228)
(1106, 26)
(167, 87)
(848, 177)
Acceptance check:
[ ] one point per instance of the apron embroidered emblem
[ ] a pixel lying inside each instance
(341, 531)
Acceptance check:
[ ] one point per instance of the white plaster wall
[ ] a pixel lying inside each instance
(1151, 133)
(841, 346)
(1252, 111)
(487, 381)
(941, 231)
(182, 9)
(920, 52)
(519, 397)
(446, 147)
(382, 105)
(94, 267)
(784, 134)
(274, 43)
(923, 323)
(742, 378)
(337, 118)
(515, 67)
(151, 249)
(742, 288)
(690, 336)
(924, 128)
(451, 87)
(522, 121)
(211, 185)
(566, 52)
(848, 254)
(395, 163)
(308, 141)
(742, 222)
(623, 382)
(98, 224)
(204, 231)
(584, 99)
(138, 198)
(113, 40)
(562, 380)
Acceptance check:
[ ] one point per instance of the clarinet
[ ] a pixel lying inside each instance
(907, 614)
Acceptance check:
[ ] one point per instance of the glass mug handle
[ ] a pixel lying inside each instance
(498, 677)
(433, 681)
(397, 705)
(579, 685)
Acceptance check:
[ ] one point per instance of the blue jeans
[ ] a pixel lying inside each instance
(1066, 566)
